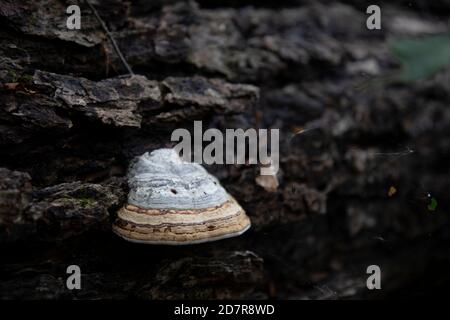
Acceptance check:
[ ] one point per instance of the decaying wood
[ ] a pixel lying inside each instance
(71, 121)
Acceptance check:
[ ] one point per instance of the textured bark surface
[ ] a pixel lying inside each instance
(71, 121)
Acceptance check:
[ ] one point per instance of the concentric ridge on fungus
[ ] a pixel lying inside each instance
(176, 202)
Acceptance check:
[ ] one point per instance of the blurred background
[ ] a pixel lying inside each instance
(364, 146)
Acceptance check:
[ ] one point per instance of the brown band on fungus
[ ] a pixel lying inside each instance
(133, 208)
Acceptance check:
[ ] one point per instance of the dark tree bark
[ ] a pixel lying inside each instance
(71, 120)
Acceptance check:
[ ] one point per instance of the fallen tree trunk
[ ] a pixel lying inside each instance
(71, 120)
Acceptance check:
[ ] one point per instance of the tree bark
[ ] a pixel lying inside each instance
(72, 119)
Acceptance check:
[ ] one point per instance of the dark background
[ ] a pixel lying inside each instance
(67, 136)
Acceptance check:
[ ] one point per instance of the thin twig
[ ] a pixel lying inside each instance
(111, 38)
(398, 154)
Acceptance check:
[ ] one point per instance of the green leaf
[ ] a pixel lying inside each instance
(423, 57)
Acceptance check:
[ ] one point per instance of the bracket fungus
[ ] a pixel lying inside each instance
(175, 202)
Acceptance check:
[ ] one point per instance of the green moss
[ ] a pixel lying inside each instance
(87, 202)
(84, 201)
(19, 77)
(26, 78)
(14, 76)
